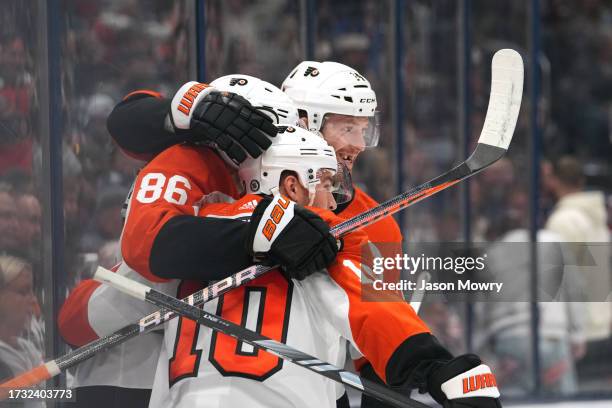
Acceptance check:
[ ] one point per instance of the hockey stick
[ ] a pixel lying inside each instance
(189, 311)
(502, 113)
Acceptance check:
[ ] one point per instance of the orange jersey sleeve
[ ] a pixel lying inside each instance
(170, 189)
(73, 321)
(378, 328)
(384, 230)
(136, 124)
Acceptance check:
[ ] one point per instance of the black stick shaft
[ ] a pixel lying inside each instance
(281, 350)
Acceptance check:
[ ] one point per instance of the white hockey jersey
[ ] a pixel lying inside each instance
(200, 367)
(94, 310)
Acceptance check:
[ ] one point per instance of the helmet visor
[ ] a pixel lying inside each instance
(343, 185)
(355, 131)
(337, 183)
(328, 190)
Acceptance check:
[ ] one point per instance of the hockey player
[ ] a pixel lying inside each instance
(322, 308)
(332, 98)
(339, 102)
(186, 161)
(124, 375)
(198, 366)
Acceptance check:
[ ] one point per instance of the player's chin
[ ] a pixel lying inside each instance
(347, 162)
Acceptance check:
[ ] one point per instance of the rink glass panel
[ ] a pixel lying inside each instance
(259, 38)
(576, 112)
(501, 192)
(23, 295)
(108, 50)
(433, 144)
(358, 34)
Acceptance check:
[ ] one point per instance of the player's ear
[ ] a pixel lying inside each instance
(290, 187)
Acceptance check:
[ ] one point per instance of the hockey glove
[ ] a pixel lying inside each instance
(282, 232)
(225, 119)
(464, 382)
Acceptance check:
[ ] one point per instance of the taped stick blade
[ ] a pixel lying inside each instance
(507, 73)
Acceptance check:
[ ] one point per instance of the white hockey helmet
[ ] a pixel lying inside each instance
(294, 149)
(262, 94)
(321, 88)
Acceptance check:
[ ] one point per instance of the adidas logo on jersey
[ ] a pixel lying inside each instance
(248, 206)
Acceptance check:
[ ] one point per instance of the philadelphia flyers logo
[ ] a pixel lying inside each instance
(239, 81)
(312, 71)
(283, 129)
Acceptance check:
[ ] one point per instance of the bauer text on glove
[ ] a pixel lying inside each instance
(285, 233)
(464, 382)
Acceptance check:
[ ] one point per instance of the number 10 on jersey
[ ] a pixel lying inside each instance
(263, 306)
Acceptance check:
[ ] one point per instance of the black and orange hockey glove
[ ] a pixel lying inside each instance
(282, 232)
(464, 382)
(224, 119)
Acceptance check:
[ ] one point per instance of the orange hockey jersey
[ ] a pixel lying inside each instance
(163, 238)
(384, 230)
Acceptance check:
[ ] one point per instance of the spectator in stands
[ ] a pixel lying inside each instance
(505, 326)
(580, 216)
(8, 220)
(106, 223)
(17, 305)
(29, 216)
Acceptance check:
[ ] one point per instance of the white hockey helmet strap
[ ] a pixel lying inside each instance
(293, 149)
(321, 88)
(260, 94)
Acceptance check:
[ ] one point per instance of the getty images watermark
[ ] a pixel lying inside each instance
(500, 271)
(422, 263)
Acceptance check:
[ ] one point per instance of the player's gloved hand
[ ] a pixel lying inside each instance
(226, 119)
(464, 382)
(282, 232)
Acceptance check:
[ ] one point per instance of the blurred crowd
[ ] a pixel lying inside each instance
(107, 49)
(111, 47)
